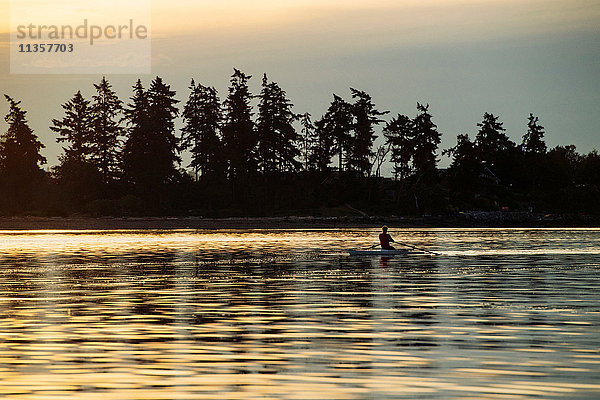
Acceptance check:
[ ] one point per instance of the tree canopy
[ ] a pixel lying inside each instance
(255, 154)
(20, 158)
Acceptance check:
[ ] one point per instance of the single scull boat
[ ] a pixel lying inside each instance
(381, 252)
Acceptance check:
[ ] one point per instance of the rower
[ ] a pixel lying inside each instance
(385, 239)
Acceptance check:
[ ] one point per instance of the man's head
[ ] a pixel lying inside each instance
(384, 229)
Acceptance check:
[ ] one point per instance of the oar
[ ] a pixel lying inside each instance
(418, 248)
(372, 247)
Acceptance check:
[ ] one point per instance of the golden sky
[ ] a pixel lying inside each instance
(454, 16)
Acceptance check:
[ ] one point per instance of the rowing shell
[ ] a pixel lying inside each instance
(381, 252)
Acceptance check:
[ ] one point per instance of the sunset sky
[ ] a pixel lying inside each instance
(464, 58)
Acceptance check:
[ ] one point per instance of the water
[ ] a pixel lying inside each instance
(509, 314)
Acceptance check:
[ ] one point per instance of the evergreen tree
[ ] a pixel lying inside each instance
(20, 158)
(106, 110)
(465, 165)
(202, 116)
(532, 152)
(426, 139)
(463, 153)
(277, 137)
(366, 117)
(151, 149)
(334, 129)
(307, 142)
(498, 155)
(136, 152)
(79, 179)
(164, 142)
(533, 140)
(321, 146)
(399, 135)
(75, 129)
(239, 139)
(491, 141)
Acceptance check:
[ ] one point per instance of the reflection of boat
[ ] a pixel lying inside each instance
(381, 252)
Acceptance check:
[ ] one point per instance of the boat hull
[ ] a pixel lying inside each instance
(382, 253)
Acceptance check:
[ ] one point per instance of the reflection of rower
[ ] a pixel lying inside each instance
(385, 239)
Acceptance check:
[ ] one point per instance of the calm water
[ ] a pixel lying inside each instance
(506, 314)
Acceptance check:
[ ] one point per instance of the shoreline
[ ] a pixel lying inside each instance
(462, 220)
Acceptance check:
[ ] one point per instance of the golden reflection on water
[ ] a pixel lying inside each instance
(288, 315)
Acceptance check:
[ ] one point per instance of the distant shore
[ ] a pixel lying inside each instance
(461, 220)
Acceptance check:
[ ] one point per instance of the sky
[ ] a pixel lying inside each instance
(462, 57)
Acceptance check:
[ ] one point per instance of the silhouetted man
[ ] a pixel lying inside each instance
(385, 239)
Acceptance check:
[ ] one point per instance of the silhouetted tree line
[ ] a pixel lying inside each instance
(124, 159)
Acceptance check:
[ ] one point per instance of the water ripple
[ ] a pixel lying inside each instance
(288, 315)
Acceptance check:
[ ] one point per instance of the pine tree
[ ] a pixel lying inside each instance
(20, 158)
(399, 135)
(321, 146)
(533, 150)
(75, 129)
(366, 117)
(465, 164)
(78, 178)
(239, 139)
(426, 139)
(164, 142)
(307, 141)
(277, 137)
(202, 117)
(151, 149)
(139, 127)
(265, 129)
(533, 140)
(491, 140)
(106, 110)
(334, 130)
(462, 153)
